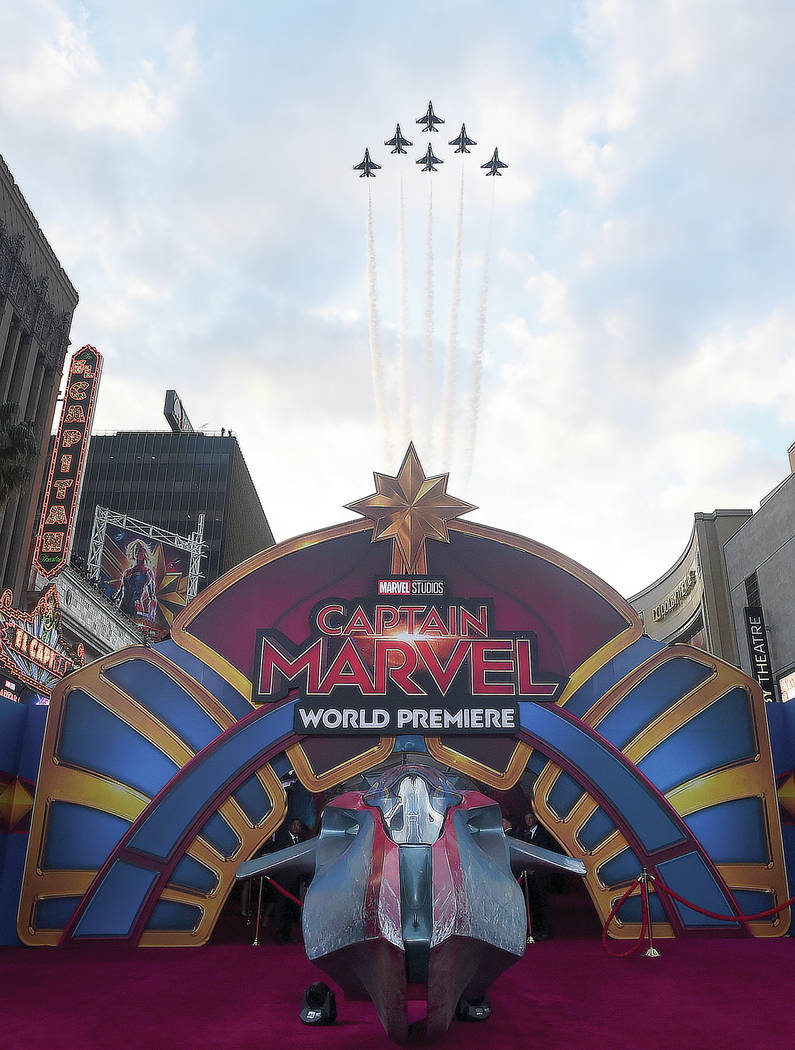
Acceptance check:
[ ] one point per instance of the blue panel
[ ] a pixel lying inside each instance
(30, 750)
(53, 913)
(564, 795)
(613, 671)
(722, 735)
(160, 831)
(161, 695)
(537, 762)
(751, 902)
(112, 910)
(614, 778)
(95, 739)
(12, 864)
(253, 799)
(690, 878)
(190, 874)
(622, 868)
(12, 726)
(281, 765)
(631, 910)
(220, 836)
(732, 832)
(595, 830)
(174, 915)
(650, 697)
(80, 838)
(216, 685)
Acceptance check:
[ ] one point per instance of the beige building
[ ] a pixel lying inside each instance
(690, 602)
(37, 301)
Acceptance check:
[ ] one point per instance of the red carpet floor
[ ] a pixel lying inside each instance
(565, 993)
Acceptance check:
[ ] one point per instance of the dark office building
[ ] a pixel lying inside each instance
(168, 480)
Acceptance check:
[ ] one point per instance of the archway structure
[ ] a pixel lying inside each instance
(161, 767)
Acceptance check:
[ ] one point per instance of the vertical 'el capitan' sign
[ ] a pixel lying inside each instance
(66, 467)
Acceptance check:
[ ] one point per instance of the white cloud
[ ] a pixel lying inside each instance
(57, 76)
(196, 183)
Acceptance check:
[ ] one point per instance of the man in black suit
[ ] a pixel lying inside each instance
(286, 912)
(538, 879)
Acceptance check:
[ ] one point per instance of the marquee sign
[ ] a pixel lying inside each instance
(31, 645)
(65, 478)
(403, 667)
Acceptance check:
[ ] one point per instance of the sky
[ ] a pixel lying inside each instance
(621, 337)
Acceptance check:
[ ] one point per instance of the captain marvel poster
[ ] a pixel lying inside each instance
(145, 578)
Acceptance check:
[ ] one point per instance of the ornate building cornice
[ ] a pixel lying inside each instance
(28, 296)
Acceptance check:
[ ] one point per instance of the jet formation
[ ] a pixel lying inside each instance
(368, 167)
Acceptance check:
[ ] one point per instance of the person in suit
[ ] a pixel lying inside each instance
(538, 880)
(287, 913)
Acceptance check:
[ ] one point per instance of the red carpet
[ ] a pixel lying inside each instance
(564, 993)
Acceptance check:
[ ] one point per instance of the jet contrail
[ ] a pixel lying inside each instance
(427, 342)
(404, 345)
(375, 339)
(450, 362)
(477, 358)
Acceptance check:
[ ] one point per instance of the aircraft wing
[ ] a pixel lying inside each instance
(523, 855)
(294, 860)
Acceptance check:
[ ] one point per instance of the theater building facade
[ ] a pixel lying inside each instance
(690, 602)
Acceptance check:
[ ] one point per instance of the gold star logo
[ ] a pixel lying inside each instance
(410, 509)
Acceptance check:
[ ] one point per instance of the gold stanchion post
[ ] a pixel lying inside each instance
(530, 938)
(651, 952)
(255, 942)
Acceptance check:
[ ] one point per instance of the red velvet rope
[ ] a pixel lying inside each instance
(636, 944)
(725, 918)
(660, 885)
(283, 891)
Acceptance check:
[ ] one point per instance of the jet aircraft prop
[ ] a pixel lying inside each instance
(366, 167)
(430, 119)
(398, 141)
(429, 160)
(494, 164)
(462, 141)
(413, 885)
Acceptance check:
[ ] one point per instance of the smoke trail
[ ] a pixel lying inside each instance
(451, 362)
(404, 344)
(427, 342)
(375, 337)
(480, 342)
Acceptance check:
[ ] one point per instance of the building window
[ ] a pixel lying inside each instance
(752, 590)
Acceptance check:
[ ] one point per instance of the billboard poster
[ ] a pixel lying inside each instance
(62, 495)
(146, 578)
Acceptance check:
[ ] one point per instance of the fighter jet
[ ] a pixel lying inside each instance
(398, 141)
(429, 160)
(413, 885)
(494, 164)
(366, 166)
(462, 141)
(430, 119)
